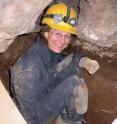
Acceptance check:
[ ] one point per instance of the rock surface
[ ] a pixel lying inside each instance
(98, 26)
(18, 17)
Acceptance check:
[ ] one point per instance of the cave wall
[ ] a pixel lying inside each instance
(18, 17)
(98, 27)
(102, 108)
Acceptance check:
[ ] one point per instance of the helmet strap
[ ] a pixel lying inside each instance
(66, 18)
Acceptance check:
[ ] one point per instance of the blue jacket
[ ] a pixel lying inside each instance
(31, 77)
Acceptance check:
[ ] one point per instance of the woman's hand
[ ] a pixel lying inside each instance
(90, 65)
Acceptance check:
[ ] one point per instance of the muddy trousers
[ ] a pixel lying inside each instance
(54, 102)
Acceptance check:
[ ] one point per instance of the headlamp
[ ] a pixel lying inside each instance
(72, 22)
(59, 17)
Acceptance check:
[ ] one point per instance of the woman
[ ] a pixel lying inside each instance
(41, 88)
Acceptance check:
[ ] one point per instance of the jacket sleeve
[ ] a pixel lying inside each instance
(27, 86)
(71, 69)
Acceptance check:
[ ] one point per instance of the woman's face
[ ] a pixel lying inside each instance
(57, 40)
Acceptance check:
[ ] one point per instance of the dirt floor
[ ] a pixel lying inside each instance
(102, 87)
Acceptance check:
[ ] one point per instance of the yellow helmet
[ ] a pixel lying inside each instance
(61, 17)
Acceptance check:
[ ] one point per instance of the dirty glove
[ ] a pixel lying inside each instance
(90, 65)
(64, 69)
